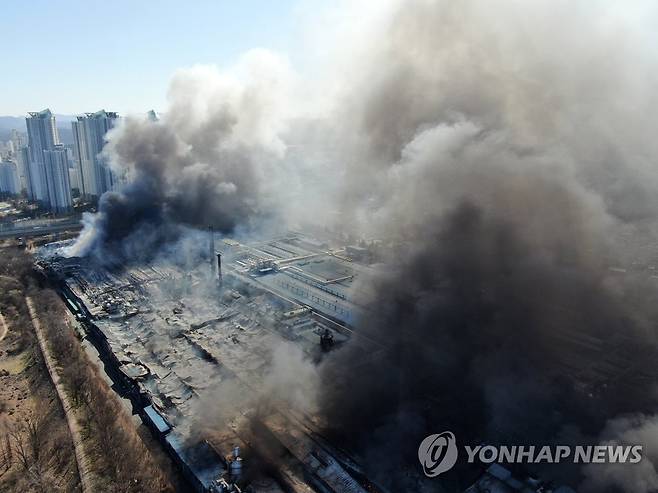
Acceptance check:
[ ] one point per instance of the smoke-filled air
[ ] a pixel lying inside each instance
(209, 161)
(506, 150)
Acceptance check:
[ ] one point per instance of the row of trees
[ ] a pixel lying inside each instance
(40, 446)
(122, 460)
(36, 452)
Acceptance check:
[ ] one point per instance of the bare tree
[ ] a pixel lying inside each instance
(22, 453)
(6, 452)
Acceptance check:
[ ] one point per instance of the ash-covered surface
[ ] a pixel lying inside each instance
(226, 361)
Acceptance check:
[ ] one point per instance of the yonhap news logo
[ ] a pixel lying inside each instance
(438, 453)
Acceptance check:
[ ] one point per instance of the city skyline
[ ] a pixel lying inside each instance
(37, 164)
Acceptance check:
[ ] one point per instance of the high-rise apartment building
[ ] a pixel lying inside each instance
(42, 136)
(18, 139)
(24, 177)
(57, 179)
(9, 178)
(89, 132)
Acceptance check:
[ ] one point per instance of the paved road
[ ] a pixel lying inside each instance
(31, 231)
(3, 327)
(84, 464)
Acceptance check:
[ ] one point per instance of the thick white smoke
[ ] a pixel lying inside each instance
(512, 139)
(213, 159)
(638, 478)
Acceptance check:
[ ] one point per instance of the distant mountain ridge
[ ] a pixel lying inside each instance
(18, 122)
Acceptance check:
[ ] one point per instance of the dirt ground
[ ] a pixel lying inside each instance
(16, 401)
(35, 447)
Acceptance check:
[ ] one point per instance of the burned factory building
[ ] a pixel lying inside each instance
(199, 358)
(237, 362)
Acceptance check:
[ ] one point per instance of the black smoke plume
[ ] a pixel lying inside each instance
(493, 154)
(207, 162)
(492, 334)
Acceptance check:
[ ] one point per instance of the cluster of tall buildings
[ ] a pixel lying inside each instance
(9, 173)
(9, 183)
(41, 167)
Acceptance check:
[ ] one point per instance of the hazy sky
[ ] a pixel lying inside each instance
(82, 55)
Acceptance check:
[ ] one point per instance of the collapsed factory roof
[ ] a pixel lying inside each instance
(180, 343)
